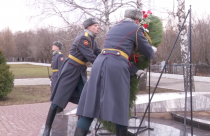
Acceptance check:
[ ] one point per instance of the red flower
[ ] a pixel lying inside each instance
(143, 12)
(145, 25)
(136, 58)
(145, 15)
(130, 57)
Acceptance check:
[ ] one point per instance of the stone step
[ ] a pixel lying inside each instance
(198, 121)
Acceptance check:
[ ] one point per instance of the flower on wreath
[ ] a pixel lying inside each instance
(145, 16)
(130, 57)
(149, 12)
(145, 21)
(136, 58)
(145, 25)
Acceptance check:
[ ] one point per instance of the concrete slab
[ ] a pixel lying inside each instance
(32, 81)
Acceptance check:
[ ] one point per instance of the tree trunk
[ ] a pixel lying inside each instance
(107, 21)
(184, 43)
(139, 5)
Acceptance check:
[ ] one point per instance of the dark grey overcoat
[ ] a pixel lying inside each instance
(73, 75)
(57, 60)
(106, 94)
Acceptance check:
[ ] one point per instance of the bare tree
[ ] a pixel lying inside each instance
(44, 41)
(22, 42)
(184, 42)
(65, 9)
(7, 44)
(139, 4)
(169, 36)
(201, 41)
(67, 36)
(1, 41)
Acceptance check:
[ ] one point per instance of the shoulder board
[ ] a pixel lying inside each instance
(86, 34)
(59, 52)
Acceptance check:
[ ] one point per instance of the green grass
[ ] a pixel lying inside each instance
(41, 93)
(29, 71)
(27, 95)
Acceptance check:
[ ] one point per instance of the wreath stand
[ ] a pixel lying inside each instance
(188, 64)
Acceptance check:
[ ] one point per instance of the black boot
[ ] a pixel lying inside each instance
(49, 121)
(80, 132)
(46, 131)
(59, 109)
(121, 132)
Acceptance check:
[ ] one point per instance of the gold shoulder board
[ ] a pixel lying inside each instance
(86, 34)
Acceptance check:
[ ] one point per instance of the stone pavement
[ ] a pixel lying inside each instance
(32, 81)
(65, 126)
(178, 84)
(27, 120)
(24, 120)
(165, 82)
(163, 125)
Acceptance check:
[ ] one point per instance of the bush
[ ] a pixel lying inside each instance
(6, 77)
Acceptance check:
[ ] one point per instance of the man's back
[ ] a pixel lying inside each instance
(125, 36)
(122, 37)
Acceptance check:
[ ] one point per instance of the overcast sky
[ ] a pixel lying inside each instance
(15, 14)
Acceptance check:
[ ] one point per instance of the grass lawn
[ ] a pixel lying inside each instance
(29, 71)
(41, 93)
(27, 95)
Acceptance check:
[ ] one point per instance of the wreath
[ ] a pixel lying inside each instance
(153, 31)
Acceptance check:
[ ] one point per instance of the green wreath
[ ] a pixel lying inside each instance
(155, 34)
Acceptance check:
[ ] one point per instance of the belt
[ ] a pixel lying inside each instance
(119, 52)
(54, 70)
(77, 60)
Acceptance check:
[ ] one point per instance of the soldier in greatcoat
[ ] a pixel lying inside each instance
(57, 61)
(73, 75)
(106, 94)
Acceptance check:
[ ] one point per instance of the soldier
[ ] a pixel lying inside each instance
(106, 94)
(73, 75)
(57, 61)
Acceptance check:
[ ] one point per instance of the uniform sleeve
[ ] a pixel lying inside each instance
(97, 51)
(133, 69)
(144, 47)
(60, 60)
(85, 48)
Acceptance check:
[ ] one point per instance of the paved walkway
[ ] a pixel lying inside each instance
(24, 120)
(173, 82)
(178, 84)
(32, 81)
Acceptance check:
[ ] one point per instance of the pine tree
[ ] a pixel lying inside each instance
(6, 77)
